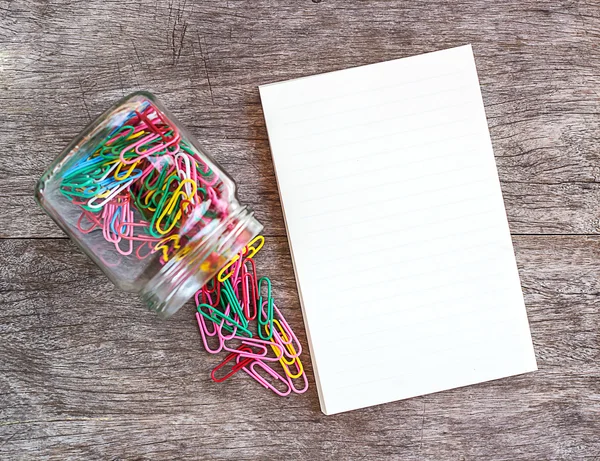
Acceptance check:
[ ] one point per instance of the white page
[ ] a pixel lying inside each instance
(396, 223)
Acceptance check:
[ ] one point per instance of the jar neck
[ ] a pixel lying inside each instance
(204, 255)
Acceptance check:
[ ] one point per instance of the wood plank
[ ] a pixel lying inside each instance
(539, 64)
(87, 373)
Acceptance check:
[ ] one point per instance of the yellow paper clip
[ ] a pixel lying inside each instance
(284, 363)
(250, 249)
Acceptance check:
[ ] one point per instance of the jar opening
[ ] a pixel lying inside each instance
(199, 261)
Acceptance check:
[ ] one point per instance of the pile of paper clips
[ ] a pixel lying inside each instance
(145, 165)
(237, 313)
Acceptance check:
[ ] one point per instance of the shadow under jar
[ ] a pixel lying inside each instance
(138, 195)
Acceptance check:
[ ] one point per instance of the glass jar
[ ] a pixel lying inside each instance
(138, 195)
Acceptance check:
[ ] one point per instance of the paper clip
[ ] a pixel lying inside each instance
(249, 290)
(229, 297)
(250, 369)
(221, 277)
(237, 366)
(250, 353)
(265, 318)
(211, 288)
(248, 252)
(294, 389)
(92, 218)
(251, 249)
(257, 343)
(216, 316)
(204, 333)
(289, 332)
(229, 305)
(284, 362)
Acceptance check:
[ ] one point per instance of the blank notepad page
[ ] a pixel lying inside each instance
(397, 228)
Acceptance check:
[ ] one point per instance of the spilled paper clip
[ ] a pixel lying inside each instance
(237, 314)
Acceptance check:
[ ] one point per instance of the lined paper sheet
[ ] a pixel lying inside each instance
(397, 228)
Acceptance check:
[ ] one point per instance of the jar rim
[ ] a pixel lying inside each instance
(180, 278)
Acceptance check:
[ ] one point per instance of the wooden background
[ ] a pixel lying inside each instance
(86, 373)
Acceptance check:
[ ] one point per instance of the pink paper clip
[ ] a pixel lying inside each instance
(248, 352)
(218, 326)
(92, 218)
(214, 324)
(237, 289)
(135, 146)
(291, 383)
(254, 374)
(149, 247)
(257, 343)
(237, 268)
(204, 333)
(154, 120)
(249, 290)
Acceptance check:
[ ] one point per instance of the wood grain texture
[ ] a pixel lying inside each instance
(86, 373)
(63, 62)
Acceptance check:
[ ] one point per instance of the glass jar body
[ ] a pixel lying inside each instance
(139, 196)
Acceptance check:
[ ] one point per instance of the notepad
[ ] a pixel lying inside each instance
(397, 228)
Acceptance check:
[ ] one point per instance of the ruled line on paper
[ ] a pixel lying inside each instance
(432, 286)
(380, 365)
(376, 186)
(373, 106)
(391, 250)
(319, 150)
(389, 327)
(387, 280)
(394, 310)
(364, 124)
(413, 195)
(372, 155)
(363, 172)
(374, 220)
(387, 248)
(354, 93)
